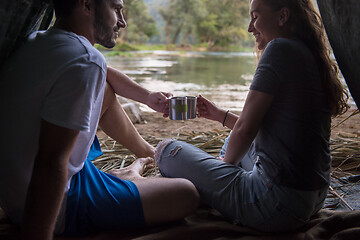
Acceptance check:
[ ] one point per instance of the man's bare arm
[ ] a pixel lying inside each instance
(126, 87)
(48, 181)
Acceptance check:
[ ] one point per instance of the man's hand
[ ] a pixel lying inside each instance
(159, 101)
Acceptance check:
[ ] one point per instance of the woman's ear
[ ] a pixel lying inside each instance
(284, 16)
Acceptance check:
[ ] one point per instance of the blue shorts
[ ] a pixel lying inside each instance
(98, 201)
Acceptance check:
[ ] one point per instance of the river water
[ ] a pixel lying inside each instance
(224, 78)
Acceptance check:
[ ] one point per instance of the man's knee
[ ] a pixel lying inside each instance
(109, 98)
(188, 193)
(109, 94)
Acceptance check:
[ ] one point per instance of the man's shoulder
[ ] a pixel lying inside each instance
(67, 45)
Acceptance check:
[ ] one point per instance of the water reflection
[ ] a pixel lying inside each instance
(222, 77)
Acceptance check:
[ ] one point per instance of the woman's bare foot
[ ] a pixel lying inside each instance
(135, 170)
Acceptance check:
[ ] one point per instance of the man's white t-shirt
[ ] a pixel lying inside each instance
(56, 76)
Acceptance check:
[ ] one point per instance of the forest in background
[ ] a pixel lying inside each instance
(201, 24)
(206, 24)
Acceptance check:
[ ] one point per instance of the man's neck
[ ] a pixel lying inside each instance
(73, 26)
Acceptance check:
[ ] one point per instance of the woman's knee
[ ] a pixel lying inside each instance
(160, 148)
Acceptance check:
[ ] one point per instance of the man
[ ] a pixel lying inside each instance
(54, 94)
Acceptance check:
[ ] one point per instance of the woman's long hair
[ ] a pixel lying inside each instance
(305, 24)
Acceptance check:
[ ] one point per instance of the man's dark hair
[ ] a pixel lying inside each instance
(63, 8)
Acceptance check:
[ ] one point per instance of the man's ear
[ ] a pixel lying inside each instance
(284, 16)
(86, 5)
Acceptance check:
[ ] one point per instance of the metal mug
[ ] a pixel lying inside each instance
(178, 108)
(191, 107)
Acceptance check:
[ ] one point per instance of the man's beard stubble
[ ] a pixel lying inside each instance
(103, 36)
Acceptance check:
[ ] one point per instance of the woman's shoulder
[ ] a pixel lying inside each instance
(286, 44)
(285, 48)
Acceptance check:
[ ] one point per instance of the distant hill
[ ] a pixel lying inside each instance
(153, 6)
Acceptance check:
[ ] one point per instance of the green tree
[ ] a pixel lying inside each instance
(225, 23)
(181, 17)
(216, 22)
(167, 14)
(141, 26)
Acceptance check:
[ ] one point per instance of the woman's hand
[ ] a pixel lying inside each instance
(209, 110)
(159, 101)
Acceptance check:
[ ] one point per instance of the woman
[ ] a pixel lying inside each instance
(282, 133)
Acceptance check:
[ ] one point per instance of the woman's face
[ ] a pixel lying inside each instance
(264, 23)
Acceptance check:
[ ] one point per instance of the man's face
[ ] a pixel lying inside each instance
(108, 21)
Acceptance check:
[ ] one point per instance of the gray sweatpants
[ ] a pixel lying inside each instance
(248, 198)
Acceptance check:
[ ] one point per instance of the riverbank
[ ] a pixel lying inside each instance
(154, 124)
(344, 193)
